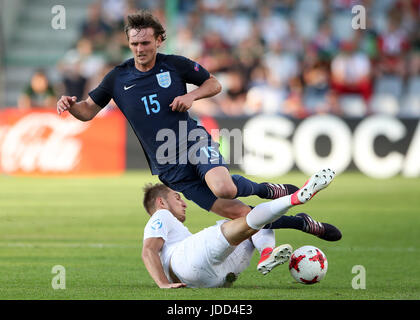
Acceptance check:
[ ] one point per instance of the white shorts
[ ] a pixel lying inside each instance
(205, 258)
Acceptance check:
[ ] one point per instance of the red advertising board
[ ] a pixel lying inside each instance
(38, 141)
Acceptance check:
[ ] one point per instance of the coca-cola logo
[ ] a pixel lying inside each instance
(41, 142)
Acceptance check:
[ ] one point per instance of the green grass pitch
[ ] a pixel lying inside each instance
(93, 226)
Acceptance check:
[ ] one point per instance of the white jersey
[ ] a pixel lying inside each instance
(162, 224)
(203, 259)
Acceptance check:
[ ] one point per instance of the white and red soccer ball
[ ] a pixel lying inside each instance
(308, 265)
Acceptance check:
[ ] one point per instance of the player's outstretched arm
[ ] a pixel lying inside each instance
(207, 89)
(84, 110)
(151, 259)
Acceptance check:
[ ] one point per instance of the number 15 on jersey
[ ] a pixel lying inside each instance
(151, 103)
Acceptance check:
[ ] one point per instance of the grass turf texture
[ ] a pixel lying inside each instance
(94, 228)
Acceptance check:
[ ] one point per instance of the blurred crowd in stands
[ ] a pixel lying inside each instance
(292, 57)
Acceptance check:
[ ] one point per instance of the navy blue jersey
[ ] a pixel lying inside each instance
(144, 99)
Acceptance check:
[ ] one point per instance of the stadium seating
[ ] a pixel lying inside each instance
(32, 43)
(384, 103)
(35, 44)
(413, 85)
(392, 85)
(352, 105)
(410, 106)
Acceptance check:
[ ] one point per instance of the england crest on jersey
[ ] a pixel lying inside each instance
(164, 79)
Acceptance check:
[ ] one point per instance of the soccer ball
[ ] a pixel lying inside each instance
(308, 265)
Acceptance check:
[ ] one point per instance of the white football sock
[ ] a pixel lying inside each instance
(263, 239)
(268, 212)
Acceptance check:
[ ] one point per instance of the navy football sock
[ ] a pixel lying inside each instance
(287, 222)
(249, 188)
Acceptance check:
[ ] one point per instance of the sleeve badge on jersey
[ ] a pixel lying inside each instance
(157, 224)
(164, 79)
(196, 66)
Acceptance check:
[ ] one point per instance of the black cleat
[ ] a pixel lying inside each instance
(322, 230)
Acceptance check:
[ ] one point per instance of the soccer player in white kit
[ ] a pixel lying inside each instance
(215, 256)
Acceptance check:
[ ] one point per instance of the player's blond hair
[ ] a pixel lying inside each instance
(151, 193)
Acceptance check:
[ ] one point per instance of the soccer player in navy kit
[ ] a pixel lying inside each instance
(150, 90)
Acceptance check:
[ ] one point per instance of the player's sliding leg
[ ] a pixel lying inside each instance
(316, 183)
(259, 217)
(303, 221)
(271, 211)
(271, 258)
(268, 212)
(236, 231)
(264, 240)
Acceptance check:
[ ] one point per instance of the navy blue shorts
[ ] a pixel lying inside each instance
(188, 179)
